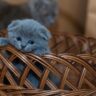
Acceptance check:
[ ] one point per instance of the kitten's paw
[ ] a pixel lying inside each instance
(3, 41)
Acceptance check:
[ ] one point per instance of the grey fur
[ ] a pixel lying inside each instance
(3, 41)
(44, 11)
(28, 36)
(20, 32)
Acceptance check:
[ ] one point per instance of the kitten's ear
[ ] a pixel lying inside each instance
(44, 33)
(13, 25)
(3, 41)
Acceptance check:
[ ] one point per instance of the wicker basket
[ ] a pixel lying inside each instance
(73, 66)
(19, 91)
(76, 44)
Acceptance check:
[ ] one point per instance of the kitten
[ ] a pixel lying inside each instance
(28, 36)
(44, 11)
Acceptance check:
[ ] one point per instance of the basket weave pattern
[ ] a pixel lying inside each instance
(19, 91)
(74, 71)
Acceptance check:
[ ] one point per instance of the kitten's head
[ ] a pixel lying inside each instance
(28, 36)
(44, 11)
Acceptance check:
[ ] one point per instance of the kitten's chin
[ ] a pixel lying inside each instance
(27, 51)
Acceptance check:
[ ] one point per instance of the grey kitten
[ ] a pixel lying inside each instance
(44, 11)
(28, 36)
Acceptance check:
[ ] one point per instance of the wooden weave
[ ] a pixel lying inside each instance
(19, 91)
(74, 67)
(77, 44)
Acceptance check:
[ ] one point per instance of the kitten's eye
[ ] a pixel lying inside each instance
(30, 41)
(18, 38)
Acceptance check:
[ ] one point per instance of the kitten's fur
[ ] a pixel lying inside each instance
(43, 11)
(28, 36)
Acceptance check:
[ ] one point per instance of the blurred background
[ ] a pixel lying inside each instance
(72, 16)
(75, 16)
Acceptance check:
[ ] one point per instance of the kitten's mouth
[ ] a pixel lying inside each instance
(23, 47)
(23, 50)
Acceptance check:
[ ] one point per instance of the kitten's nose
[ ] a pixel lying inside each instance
(23, 46)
